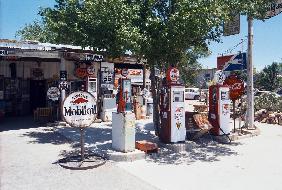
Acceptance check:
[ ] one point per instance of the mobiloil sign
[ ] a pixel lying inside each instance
(79, 109)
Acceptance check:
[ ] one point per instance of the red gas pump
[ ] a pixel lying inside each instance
(172, 109)
(219, 109)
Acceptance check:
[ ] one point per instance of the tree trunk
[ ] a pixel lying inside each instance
(154, 88)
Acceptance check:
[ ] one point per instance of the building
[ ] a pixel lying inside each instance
(204, 77)
(28, 69)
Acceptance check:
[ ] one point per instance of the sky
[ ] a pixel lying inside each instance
(14, 14)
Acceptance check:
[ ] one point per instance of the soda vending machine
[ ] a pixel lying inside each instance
(172, 109)
(219, 109)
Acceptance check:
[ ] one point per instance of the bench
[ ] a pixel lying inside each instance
(42, 114)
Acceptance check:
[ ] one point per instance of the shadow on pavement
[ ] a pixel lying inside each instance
(206, 152)
(16, 123)
(46, 135)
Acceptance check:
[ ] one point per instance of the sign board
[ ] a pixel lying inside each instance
(274, 9)
(236, 87)
(124, 72)
(63, 75)
(232, 27)
(63, 85)
(53, 93)
(232, 62)
(79, 109)
(107, 75)
(172, 75)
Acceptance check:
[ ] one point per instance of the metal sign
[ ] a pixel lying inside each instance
(232, 27)
(63, 85)
(91, 70)
(232, 62)
(236, 87)
(79, 109)
(172, 75)
(63, 75)
(274, 9)
(124, 72)
(53, 93)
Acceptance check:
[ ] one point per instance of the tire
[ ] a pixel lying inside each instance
(197, 97)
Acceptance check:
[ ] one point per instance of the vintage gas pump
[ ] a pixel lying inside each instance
(172, 109)
(124, 95)
(123, 121)
(91, 87)
(219, 109)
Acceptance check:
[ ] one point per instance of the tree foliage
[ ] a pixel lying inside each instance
(162, 31)
(268, 78)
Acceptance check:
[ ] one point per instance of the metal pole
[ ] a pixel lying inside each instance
(82, 143)
(250, 83)
(63, 91)
(234, 116)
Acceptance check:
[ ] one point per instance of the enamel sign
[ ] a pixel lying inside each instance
(53, 93)
(79, 109)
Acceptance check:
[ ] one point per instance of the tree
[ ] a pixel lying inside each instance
(268, 78)
(162, 31)
(35, 31)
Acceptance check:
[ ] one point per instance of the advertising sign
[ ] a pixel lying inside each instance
(79, 109)
(63, 75)
(232, 27)
(274, 9)
(232, 62)
(236, 87)
(53, 93)
(173, 75)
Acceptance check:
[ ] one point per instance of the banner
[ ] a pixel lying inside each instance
(232, 62)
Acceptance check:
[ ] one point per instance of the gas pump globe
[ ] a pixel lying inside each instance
(172, 109)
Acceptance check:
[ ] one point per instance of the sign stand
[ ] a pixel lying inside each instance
(79, 111)
(82, 148)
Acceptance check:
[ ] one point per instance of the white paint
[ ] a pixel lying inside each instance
(123, 132)
(224, 110)
(109, 106)
(178, 130)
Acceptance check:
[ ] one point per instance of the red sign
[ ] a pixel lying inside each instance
(172, 75)
(222, 60)
(236, 86)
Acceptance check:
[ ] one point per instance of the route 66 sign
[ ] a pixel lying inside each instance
(63, 85)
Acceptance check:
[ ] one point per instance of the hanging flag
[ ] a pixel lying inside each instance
(232, 62)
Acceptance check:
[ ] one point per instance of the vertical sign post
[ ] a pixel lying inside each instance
(250, 78)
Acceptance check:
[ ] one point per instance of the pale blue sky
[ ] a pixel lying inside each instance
(14, 14)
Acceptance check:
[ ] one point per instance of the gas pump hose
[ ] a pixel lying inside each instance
(225, 135)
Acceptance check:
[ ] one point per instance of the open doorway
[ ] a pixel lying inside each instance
(37, 94)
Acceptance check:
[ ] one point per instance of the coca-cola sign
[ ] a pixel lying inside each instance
(79, 109)
(236, 86)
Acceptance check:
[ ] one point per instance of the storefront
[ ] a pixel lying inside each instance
(28, 70)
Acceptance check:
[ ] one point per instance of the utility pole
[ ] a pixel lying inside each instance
(250, 78)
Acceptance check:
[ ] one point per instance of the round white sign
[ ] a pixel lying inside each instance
(53, 93)
(79, 109)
